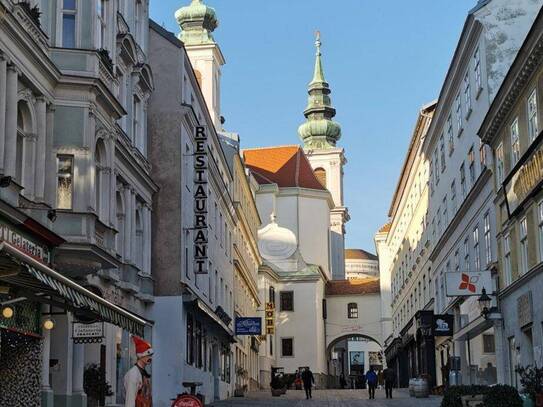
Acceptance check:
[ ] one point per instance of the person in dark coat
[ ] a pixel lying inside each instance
(342, 381)
(371, 378)
(390, 378)
(309, 380)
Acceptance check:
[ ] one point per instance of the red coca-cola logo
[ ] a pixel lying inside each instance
(187, 401)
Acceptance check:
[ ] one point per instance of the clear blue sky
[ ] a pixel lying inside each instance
(383, 60)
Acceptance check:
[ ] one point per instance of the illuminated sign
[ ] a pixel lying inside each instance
(468, 284)
(200, 201)
(270, 318)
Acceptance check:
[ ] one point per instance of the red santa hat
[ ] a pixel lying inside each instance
(143, 348)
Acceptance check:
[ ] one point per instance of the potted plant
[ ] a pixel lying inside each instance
(241, 389)
(531, 378)
(95, 385)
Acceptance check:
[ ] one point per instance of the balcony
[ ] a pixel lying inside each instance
(89, 244)
(129, 278)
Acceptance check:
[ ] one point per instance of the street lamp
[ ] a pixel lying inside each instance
(484, 303)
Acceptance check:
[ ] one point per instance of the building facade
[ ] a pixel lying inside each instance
(360, 264)
(75, 82)
(402, 248)
(512, 128)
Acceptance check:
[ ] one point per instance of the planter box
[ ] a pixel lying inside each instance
(472, 401)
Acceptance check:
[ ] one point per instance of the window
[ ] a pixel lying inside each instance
(467, 266)
(450, 134)
(457, 261)
(287, 347)
(482, 154)
(533, 128)
(69, 11)
(100, 24)
(286, 300)
(499, 165)
(453, 197)
(198, 344)
(458, 109)
(442, 152)
(477, 70)
(439, 222)
(436, 167)
(523, 246)
(190, 339)
(445, 212)
(352, 310)
(489, 346)
(476, 249)
(463, 186)
(540, 228)
(471, 161)
(507, 259)
(65, 181)
(488, 245)
(320, 173)
(467, 95)
(515, 143)
(136, 138)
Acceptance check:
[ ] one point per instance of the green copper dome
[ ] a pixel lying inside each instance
(197, 22)
(319, 131)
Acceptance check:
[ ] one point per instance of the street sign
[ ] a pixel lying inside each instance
(468, 284)
(248, 326)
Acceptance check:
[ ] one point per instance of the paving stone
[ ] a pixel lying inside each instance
(330, 398)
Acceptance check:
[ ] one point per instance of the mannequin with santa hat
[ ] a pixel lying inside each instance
(137, 382)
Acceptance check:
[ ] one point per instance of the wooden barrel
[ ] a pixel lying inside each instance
(421, 388)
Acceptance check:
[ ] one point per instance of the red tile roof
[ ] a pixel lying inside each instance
(359, 254)
(285, 166)
(353, 287)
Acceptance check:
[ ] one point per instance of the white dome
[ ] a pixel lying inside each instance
(276, 243)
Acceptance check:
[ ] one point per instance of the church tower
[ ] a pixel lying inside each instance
(320, 135)
(197, 22)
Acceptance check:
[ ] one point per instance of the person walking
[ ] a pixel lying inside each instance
(309, 380)
(137, 382)
(390, 378)
(371, 378)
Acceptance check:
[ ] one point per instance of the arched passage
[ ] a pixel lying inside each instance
(352, 355)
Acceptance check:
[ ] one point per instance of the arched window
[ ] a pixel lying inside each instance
(100, 162)
(320, 173)
(198, 75)
(119, 237)
(23, 156)
(352, 310)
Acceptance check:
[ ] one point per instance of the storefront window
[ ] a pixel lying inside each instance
(481, 351)
(190, 339)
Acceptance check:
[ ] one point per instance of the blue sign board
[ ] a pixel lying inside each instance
(248, 326)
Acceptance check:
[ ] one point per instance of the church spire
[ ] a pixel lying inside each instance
(197, 22)
(319, 131)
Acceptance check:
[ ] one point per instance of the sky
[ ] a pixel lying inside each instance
(382, 59)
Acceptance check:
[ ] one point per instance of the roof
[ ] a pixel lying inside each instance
(359, 254)
(385, 228)
(353, 287)
(286, 166)
(168, 35)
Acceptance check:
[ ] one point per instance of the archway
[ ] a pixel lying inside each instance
(351, 356)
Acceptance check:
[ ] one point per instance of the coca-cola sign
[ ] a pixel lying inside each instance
(187, 400)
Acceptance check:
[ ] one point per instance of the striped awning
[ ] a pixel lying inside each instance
(39, 278)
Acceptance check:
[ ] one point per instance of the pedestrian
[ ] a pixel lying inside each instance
(342, 381)
(309, 380)
(371, 378)
(137, 382)
(390, 378)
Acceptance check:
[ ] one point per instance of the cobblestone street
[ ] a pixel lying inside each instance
(335, 398)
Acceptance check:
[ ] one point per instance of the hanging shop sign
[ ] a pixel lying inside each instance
(443, 325)
(200, 201)
(270, 318)
(248, 326)
(525, 179)
(34, 250)
(468, 284)
(87, 333)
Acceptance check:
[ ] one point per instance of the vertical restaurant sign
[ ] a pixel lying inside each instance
(200, 201)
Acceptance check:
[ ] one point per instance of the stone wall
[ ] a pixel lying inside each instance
(20, 370)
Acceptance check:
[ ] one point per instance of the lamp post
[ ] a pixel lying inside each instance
(484, 303)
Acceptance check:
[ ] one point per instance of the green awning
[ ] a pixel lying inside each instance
(43, 281)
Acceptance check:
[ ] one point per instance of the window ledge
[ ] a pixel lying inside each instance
(478, 93)
(468, 113)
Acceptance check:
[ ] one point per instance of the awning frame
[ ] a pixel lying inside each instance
(79, 297)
